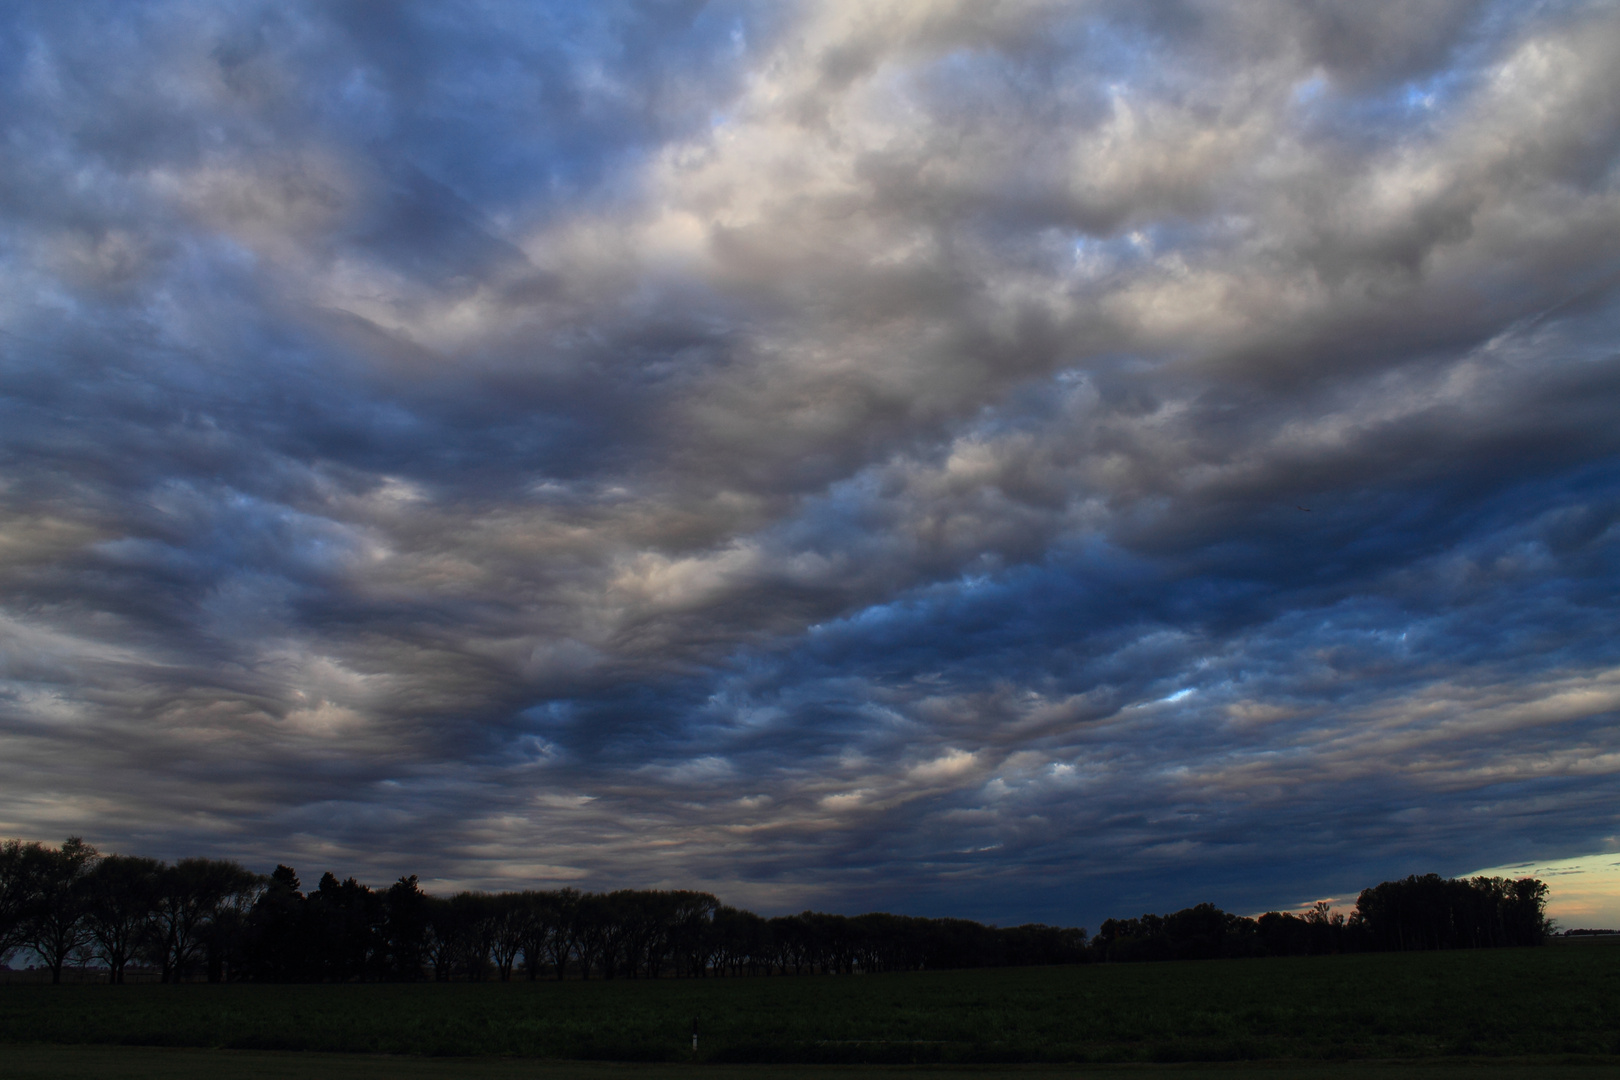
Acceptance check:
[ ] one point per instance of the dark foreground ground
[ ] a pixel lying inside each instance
(1545, 1012)
(156, 1063)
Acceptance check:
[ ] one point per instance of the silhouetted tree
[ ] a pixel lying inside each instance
(21, 871)
(508, 915)
(121, 897)
(276, 946)
(56, 929)
(406, 929)
(561, 910)
(593, 933)
(476, 915)
(189, 896)
(687, 915)
(534, 925)
(1282, 933)
(1522, 909)
(444, 936)
(738, 938)
(1196, 933)
(345, 920)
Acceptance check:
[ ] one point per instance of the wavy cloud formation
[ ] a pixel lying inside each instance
(1026, 460)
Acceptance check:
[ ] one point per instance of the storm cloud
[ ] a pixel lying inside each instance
(1021, 460)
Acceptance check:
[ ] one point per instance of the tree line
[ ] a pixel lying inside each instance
(208, 917)
(1415, 913)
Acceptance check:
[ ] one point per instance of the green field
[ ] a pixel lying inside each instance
(1554, 1004)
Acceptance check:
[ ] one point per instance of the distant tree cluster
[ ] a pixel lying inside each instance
(72, 905)
(1428, 912)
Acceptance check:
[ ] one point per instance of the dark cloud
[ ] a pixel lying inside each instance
(1028, 461)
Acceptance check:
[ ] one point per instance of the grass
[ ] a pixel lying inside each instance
(1560, 1003)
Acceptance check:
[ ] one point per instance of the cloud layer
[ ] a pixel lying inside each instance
(1024, 460)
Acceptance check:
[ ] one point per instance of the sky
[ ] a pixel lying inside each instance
(1011, 460)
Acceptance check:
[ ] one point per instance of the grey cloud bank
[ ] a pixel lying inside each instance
(1022, 461)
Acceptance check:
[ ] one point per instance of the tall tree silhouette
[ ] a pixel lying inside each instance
(121, 897)
(406, 929)
(189, 896)
(561, 909)
(277, 946)
(21, 869)
(508, 915)
(56, 929)
(345, 919)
